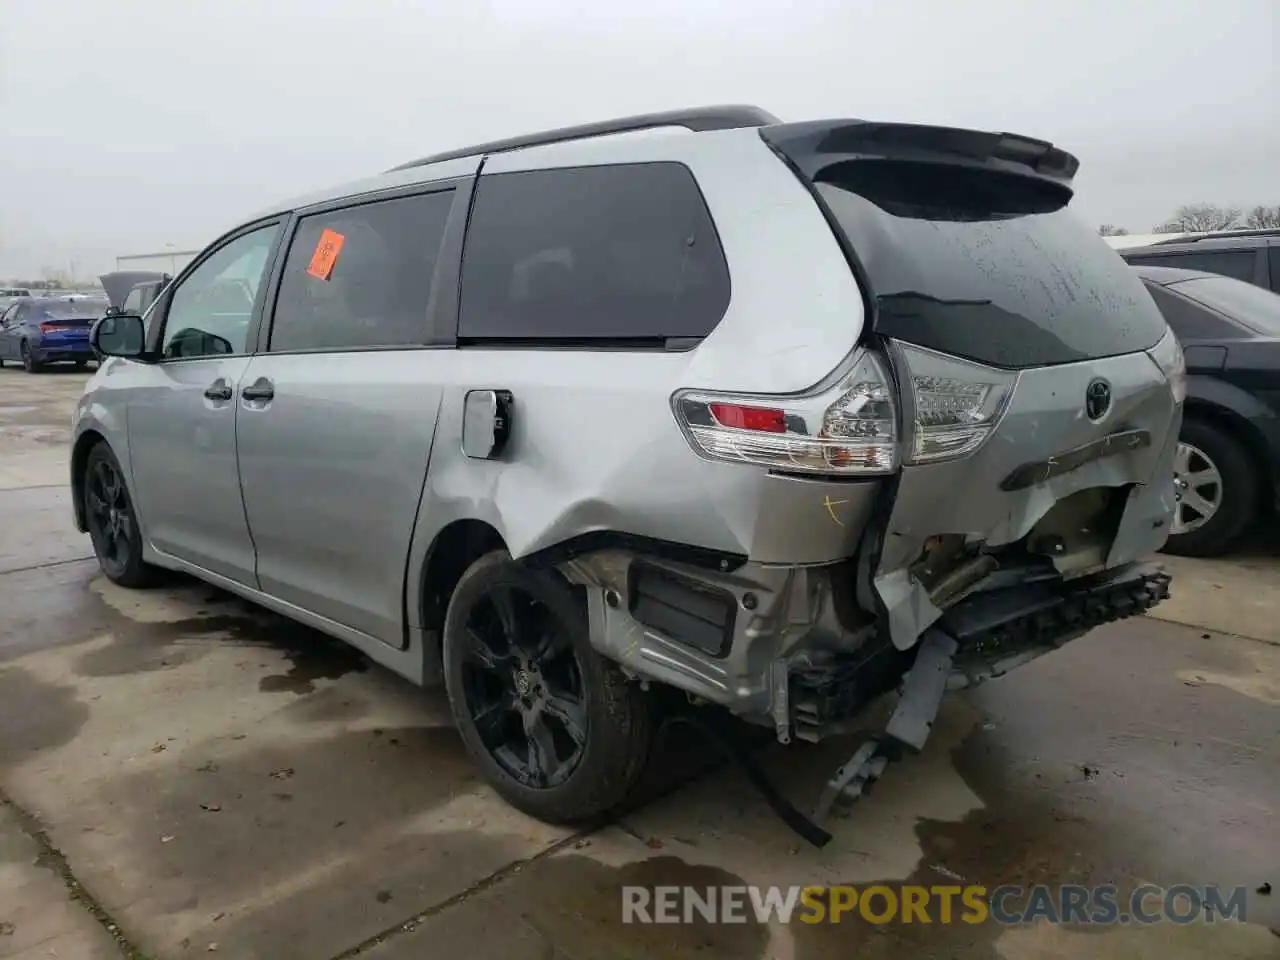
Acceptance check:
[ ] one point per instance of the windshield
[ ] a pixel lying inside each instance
(987, 266)
(62, 309)
(1256, 308)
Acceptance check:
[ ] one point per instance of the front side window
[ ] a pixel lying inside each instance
(611, 253)
(211, 309)
(361, 277)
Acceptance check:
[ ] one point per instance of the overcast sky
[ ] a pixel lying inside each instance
(132, 124)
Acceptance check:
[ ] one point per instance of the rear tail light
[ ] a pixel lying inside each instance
(48, 327)
(1168, 357)
(845, 427)
(954, 404)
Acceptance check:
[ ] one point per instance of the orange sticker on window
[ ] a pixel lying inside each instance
(326, 254)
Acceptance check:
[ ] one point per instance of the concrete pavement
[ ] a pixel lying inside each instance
(185, 774)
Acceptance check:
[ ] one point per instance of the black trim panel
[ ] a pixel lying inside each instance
(600, 540)
(688, 612)
(1029, 474)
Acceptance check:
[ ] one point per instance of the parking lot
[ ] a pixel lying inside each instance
(181, 774)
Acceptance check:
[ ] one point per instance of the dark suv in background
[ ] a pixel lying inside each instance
(1227, 467)
(1249, 255)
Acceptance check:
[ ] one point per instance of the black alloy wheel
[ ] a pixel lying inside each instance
(523, 687)
(112, 522)
(554, 727)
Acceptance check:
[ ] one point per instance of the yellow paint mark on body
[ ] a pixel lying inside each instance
(831, 505)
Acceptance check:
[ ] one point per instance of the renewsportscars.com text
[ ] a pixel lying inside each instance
(972, 904)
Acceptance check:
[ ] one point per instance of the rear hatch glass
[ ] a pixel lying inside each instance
(986, 265)
(72, 313)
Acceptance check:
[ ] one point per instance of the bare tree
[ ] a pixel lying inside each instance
(1111, 230)
(1263, 218)
(1201, 218)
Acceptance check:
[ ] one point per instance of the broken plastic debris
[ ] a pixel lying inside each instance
(211, 807)
(166, 838)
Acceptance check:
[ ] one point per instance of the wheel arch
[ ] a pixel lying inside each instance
(79, 457)
(456, 547)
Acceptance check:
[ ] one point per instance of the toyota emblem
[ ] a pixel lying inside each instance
(1097, 399)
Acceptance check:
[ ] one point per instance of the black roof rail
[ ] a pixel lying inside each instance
(1222, 235)
(697, 119)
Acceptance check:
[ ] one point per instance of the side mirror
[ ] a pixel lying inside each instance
(119, 335)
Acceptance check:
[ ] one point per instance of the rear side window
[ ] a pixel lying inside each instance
(1252, 306)
(1274, 255)
(1190, 320)
(986, 265)
(624, 253)
(361, 276)
(1240, 264)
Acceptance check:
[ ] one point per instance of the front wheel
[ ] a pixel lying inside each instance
(1217, 490)
(555, 728)
(112, 521)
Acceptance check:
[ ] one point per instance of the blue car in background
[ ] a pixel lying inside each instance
(36, 331)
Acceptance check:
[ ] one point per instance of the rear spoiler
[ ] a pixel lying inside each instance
(815, 145)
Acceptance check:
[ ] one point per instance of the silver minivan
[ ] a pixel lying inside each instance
(780, 416)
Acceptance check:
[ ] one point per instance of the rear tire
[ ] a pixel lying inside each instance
(1214, 464)
(495, 687)
(28, 362)
(113, 522)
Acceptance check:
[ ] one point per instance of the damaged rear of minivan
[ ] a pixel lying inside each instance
(1037, 397)
(870, 411)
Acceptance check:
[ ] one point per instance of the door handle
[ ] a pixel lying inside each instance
(261, 390)
(218, 390)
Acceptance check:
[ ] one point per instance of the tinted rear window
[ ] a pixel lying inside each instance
(63, 309)
(1256, 308)
(987, 266)
(1240, 264)
(622, 253)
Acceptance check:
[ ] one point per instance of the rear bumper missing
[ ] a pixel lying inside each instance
(995, 630)
(789, 648)
(998, 630)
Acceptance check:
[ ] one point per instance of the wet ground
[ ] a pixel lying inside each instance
(182, 774)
